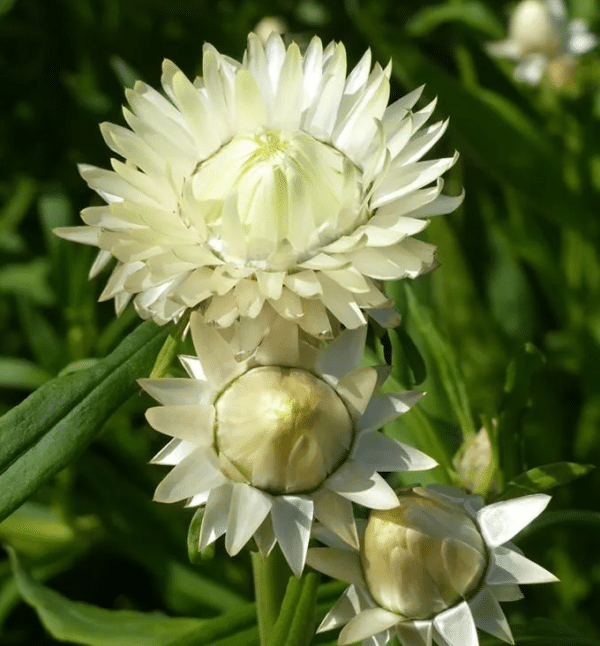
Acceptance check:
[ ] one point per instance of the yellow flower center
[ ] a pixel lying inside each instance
(283, 430)
(270, 198)
(423, 556)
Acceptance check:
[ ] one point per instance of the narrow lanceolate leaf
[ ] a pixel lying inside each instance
(302, 628)
(45, 432)
(295, 625)
(543, 478)
(83, 623)
(281, 628)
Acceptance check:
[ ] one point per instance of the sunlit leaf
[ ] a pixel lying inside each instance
(544, 478)
(51, 427)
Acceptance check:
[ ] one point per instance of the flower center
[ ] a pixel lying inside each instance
(271, 198)
(422, 557)
(283, 430)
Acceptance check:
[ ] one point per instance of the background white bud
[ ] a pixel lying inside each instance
(423, 556)
(536, 30)
(284, 430)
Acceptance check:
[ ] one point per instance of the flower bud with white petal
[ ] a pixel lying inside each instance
(283, 430)
(536, 29)
(422, 557)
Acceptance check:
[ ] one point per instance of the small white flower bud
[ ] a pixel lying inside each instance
(535, 29)
(423, 556)
(283, 430)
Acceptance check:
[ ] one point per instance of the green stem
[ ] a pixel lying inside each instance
(169, 350)
(271, 575)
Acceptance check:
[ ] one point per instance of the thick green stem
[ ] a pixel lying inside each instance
(271, 575)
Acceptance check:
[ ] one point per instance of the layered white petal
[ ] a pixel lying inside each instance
(380, 452)
(509, 567)
(367, 623)
(488, 616)
(363, 486)
(336, 513)
(500, 521)
(292, 520)
(249, 507)
(457, 626)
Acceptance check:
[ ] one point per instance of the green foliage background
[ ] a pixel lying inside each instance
(520, 264)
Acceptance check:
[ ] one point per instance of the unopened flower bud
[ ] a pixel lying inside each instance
(536, 29)
(284, 430)
(423, 556)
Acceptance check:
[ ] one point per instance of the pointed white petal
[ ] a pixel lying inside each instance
(189, 423)
(216, 514)
(363, 486)
(215, 354)
(380, 452)
(83, 235)
(249, 507)
(500, 521)
(198, 472)
(356, 388)
(337, 563)
(344, 609)
(488, 616)
(366, 624)
(385, 408)
(265, 537)
(336, 513)
(456, 626)
(507, 592)
(280, 345)
(509, 567)
(292, 518)
(344, 354)
(415, 633)
(173, 391)
(174, 452)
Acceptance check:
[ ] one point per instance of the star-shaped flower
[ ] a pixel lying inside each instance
(287, 435)
(431, 570)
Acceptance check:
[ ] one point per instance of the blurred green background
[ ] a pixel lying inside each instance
(520, 264)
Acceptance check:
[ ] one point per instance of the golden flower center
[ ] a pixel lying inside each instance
(283, 430)
(271, 198)
(423, 556)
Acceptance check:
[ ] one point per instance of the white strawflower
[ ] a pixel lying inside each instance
(431, 570)
(288, 434)
(542, 40)
(278, 184)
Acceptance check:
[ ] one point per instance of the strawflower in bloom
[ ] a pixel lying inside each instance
(542, 40)
(431, 570)
(287, 435)
(280, 184)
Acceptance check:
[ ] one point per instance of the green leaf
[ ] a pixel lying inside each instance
(6, 6)
(544, 478)
(92, 626)
(302, 628)
(46, 345)
(517, 393)
(472, 14)
(53, 425)
(21, 374)
(543, 632)
(28, 279)
(296, 616)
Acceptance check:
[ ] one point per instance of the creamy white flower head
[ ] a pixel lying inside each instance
(542, 40)
(431, 570)
(288, 434)
(279, 183)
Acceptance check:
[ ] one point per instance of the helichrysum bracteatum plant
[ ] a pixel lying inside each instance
(261, 208)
